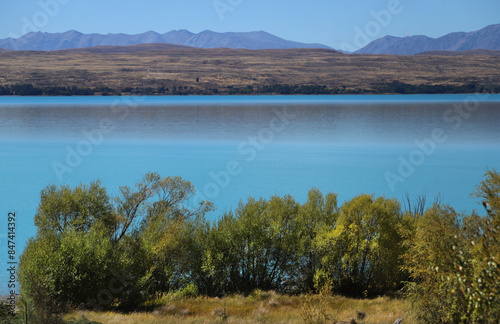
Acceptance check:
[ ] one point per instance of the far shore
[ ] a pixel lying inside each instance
(393, 88)
(243, 72)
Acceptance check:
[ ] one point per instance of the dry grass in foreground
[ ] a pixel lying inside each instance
(260, 307)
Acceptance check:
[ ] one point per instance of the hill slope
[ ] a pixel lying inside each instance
(487, 38)
(207, 39)
(466, 53)
(200, 71)
(128, 48)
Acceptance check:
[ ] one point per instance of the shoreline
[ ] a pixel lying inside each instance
(259, 95)
(44, 92)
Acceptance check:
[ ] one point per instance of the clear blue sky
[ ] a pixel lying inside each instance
(331, 22)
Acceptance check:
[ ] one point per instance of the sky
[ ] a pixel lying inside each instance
(340, 24)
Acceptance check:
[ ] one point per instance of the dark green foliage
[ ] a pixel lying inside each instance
(106, 91)
(5, 315)
(394, 87)
(72, 257)
(255, 248)
(265, 238)
(404, 88)
(26, 90)
(68, 91)
(5, 91)
(86, 252)
(296, 89)
(31, 90)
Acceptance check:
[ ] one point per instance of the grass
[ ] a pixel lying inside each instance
(219, 68)
(259, 307)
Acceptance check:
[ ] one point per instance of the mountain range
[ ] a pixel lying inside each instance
(487, 38)
(38, 41)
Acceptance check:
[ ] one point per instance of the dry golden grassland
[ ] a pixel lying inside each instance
(264, 307)
(218, 68)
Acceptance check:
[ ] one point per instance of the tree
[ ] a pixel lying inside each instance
(254, 248)
(283, 232)
(428, 259)
(453, 262)
(153, 218)
(255, 254)
(477, 281)
(318, 214)
(71, 257)
(63, 209)
(83, 241)
(489, 192)
(219, 272)
(360, 256)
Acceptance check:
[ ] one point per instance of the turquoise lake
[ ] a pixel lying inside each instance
(233, 147)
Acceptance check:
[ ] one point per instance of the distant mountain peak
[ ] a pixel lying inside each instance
(487, 38)
(206, 39)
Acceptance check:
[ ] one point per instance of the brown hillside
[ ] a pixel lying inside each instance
(463, 53)
(218, 68)
(129, 48)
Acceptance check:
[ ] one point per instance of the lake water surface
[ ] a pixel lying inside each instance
(234, 147)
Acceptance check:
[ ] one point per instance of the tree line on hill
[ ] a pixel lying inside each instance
(94, 251)
(395, 87)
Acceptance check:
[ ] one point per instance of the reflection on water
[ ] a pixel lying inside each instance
(374, 123)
